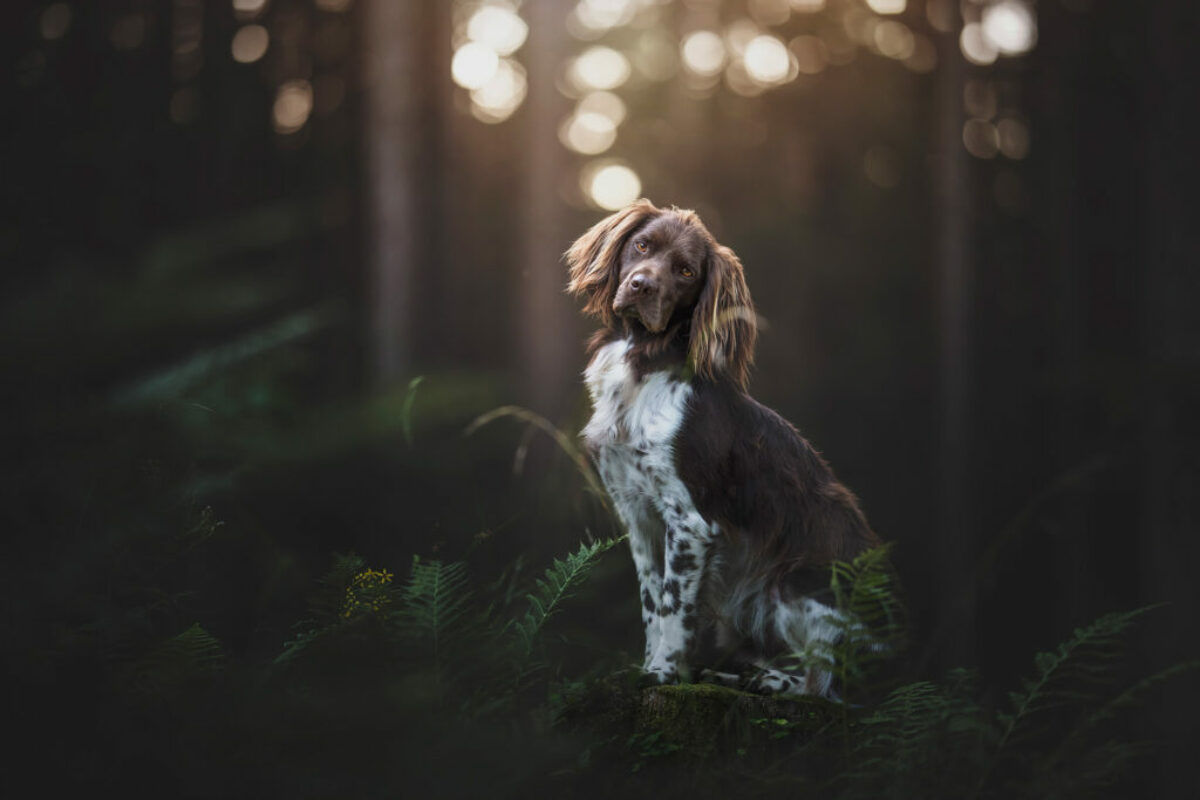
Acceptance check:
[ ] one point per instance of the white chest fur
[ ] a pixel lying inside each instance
(644, 415)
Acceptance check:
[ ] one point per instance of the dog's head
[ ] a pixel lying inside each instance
(660, 273)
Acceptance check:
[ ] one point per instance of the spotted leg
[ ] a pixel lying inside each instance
(688, 541)
(650, 586)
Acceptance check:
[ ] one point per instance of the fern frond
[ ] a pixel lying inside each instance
(1069, 674)
(557, 584)
(869, 615)
(326, 603)
(190, 654)
(434, 603)
(1116, 705)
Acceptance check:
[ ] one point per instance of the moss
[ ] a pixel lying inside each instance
(697, 721)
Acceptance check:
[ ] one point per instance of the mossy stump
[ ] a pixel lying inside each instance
(698, 721)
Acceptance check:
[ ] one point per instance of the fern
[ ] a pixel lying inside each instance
(870, 617)
(193, 653)
(325, 607)
(1069, 675)
(557, 584)
(435, 604)
(917, 736)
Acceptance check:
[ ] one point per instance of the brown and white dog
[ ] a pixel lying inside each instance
(733, 517)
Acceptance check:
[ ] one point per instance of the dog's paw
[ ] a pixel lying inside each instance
(730, 679)
(660, 675)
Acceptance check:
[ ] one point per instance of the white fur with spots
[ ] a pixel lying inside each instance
(631, 435)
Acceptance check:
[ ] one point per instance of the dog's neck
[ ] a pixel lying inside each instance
(650, 352)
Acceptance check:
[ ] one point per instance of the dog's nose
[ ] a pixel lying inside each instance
(642, 284)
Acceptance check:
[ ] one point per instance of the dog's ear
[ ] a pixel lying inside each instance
(724, 326)
(593, 261)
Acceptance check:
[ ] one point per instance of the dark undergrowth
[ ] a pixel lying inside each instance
(179, 626)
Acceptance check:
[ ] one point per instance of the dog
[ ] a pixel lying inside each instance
(733, 518)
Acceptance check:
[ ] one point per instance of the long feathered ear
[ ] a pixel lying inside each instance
(592, 260)
(724, 325)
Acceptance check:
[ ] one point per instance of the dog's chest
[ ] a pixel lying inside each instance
(634, 422)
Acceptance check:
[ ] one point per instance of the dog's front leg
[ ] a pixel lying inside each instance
(650, 586)
(688, 540)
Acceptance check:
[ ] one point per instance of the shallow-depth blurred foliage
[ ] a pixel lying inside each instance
(275, 526)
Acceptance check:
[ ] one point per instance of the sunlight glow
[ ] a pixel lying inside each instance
(588, 132)
(293, 104)
(976, 47)
(611, 185)
(894, 40)
(704, 53)
(503, 93)
(767, 60)
(248, 8)
(887, 6)
(474, 65)
(599, 68)
(597, 16)
(1010, 26)
(808, 6)
(740, 33)
(250, 44)
(605, 103)
(499, 28)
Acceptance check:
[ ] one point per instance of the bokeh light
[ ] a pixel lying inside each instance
(611, 185)
(605, 103)
(808, 6)
(250, 44)
(980, 138)
(1013, 138)
(770, 12)
(503, 93)
(888, 6)
(976, 47)
(767, 60)
(739, 34)
(1010, 26)
(588, 132)
(811, 54)
(248, 9)
(656, 55)
(55, 21)
(474, 64)
(499, 28)
(594, 17)
(703, 53)
(599, 68)
(293, 105)
(894, 40)
(924, 55)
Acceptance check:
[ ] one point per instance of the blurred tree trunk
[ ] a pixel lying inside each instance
(392, 34)
(953, 202)
(548, 327)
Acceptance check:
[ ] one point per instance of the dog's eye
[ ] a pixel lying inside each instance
(687, 272)
(640, 246)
